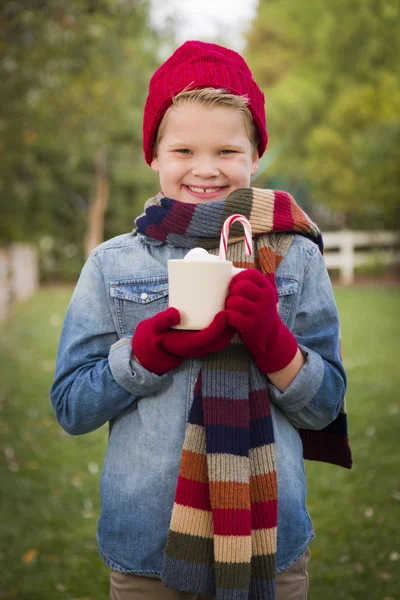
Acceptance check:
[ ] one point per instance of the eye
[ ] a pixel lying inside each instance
(228, 151)
(182, 150)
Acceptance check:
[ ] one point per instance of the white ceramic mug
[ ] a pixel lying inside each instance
(198, 289)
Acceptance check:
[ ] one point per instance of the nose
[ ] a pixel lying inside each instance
(205, 167)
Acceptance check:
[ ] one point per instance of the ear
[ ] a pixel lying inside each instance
(155, 165)
(255, 162)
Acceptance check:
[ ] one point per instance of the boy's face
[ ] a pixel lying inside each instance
(204, 153)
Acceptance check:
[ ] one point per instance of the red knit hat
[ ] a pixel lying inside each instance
(201, 65)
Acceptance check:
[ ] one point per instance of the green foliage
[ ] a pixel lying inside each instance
(50, 499)
(330, 75)
(75, 81)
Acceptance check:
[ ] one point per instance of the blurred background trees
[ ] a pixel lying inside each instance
(74, 79)
(75, 76)
(330, 73)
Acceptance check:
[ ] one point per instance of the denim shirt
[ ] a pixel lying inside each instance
(124, 281)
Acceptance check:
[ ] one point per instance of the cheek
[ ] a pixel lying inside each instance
(241, 170)
(171, 172)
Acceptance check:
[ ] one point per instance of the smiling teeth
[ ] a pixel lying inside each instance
(204, 190)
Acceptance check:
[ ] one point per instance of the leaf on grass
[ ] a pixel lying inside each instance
(394, 556)
(381, 519)
(77, 480)
(385, 576)
(48, 420)
(32, 465)
(12, 593)
(25, 435)
(60, 587)
(396, 495)
(30, 556)
(88, 506)
(368, 512)
(334, 531)
(12, 462)
(358, 568)
(93, 468)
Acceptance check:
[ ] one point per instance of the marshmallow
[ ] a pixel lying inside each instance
(200, 255)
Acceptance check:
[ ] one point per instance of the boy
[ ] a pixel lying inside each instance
(206, 424)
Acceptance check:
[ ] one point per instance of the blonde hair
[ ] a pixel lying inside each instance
(211, 97)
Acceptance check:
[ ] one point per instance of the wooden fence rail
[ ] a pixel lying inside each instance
(345, 250)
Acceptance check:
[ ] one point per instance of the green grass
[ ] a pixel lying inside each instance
(50, 498)
(49, 481)
(356, 513)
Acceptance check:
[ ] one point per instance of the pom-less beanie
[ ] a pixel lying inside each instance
(200, 65)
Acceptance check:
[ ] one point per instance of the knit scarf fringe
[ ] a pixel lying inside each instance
(223, 530)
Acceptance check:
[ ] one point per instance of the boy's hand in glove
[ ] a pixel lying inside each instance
(199, 343)
(159, 348)
(146, 342)
(252, 310)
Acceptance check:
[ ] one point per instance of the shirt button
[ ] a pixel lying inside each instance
(144, 296)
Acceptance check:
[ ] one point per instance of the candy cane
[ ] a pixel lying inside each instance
(223, 245)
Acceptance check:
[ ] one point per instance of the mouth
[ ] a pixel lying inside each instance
(205, 192)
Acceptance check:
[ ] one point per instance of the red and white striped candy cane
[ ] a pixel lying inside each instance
(223, 245)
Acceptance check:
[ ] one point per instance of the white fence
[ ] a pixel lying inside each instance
(19, 275)
(345, 250)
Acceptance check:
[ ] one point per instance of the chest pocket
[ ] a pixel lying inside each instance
(287, 290)
(138, 299)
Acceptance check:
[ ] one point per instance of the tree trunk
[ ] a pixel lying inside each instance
(98, 204)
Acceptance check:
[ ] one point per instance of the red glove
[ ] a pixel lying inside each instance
(199, 343)
(146, 342)
(252, 309)
(159, 348)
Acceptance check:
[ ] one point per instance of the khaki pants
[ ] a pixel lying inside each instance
(291, 584)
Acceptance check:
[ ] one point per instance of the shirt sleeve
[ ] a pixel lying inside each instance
(96, 378)
(314, 397)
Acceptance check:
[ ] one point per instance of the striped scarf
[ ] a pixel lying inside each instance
(222, 537)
